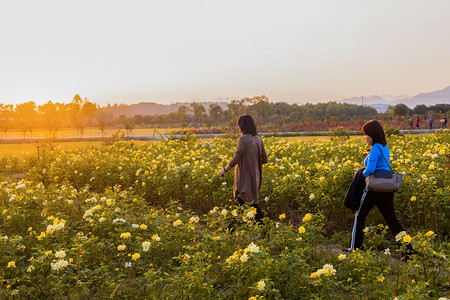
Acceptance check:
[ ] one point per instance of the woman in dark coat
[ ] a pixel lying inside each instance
(249, 157)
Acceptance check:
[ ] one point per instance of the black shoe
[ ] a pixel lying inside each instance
(348, 250)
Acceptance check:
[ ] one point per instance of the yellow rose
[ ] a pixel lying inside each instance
(261, 285)
(429, 233)
(125, 235)
(407, 238)
(307, 217)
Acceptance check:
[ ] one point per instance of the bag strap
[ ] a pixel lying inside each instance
(385, 159)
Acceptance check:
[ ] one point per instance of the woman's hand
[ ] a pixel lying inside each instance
(221, 172)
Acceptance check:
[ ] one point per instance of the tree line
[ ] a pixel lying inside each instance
(273, 113)
(27, 117)
(82, 113)
(263, 111)
(421, 109)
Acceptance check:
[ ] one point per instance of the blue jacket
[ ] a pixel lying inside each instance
(375, 161)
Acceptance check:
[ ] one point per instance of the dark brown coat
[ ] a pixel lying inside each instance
(249, 157)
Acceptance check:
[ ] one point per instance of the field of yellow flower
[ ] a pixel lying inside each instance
(155, 221)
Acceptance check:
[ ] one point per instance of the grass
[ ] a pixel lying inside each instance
(31, 148)
(68, 132)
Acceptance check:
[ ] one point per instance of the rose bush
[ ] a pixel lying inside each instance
(153, 220)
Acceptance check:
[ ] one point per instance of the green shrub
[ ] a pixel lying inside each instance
(339, 133)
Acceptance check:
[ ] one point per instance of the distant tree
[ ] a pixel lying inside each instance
(235, 109)
(199, 111)
(74, 112)
(127, 123)
(319, 111)
(182, 113)
(122, 120)
(26, 116)
(51, 116)
(441, 108)
(401, 110)
(109, 113)
(297, 113)
(80, 127)
(172, 118)
(138, 119)
(420, 109)
(278, 112)
(365, 111)
(77, 99)
(147, 119)
(281, 109)
(160, 119)
(102, 126)
(129, 126)
(246, 105)
(88, 111)
(6, 117)
(261, 108)
(215, 113)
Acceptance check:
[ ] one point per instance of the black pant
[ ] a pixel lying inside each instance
(384, 201)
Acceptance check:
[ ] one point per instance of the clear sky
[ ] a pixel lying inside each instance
(166, 51)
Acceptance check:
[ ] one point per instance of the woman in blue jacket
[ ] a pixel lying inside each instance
(376, 138)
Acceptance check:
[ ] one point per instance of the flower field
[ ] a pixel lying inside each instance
(153, 220)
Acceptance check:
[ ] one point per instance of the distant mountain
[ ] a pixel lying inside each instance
(366, 100)
(432, 98)
(391, 98)
(151, 108)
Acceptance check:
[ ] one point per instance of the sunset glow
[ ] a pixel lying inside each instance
(293, 51)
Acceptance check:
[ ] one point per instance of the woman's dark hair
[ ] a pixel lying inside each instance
(374, 129)
(247, 125)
